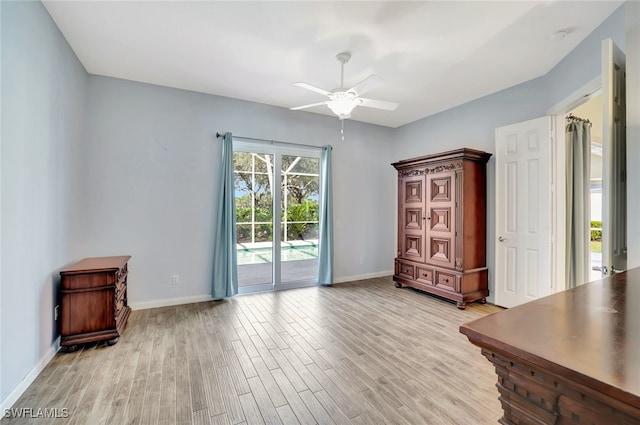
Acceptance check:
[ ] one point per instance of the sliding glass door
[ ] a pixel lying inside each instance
(253, 180)
(299, 218)
(277, 198)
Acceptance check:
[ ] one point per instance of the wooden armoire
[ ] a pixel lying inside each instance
(441, 225)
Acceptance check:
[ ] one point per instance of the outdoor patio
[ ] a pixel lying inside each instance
(255, 274)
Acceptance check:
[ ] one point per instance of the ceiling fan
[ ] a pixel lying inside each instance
(342, 101)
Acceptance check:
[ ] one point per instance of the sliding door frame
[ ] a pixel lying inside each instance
(277, 150)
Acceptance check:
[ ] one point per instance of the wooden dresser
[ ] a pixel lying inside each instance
(94, 301)
(441, 225)
(569, 358)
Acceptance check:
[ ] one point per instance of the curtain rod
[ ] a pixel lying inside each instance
(219, 135)
(572, 117)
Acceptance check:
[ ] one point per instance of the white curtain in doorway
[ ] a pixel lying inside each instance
(578, 140)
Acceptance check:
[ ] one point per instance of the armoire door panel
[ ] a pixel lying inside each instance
(440, 189)
(440, 219)
(413, 218)
(413, 191)
(441, 229)
(440, 250)
(413, 247)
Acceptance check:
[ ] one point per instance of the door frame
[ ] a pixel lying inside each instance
(558, 183)
(278, 150)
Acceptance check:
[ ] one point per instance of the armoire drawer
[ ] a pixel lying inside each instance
(424, 275)
(405, 270)
(447, 281)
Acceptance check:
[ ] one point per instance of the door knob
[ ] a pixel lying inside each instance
(501, 239)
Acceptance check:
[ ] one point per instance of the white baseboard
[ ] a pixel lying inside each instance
(168, 302)
(15, 394)
(362, 276)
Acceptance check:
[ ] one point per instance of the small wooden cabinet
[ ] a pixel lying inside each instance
(441, 225)
(94, 303)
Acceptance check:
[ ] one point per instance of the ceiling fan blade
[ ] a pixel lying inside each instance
(295, 108)
(379, 104)
(313, 88)
(368, 84)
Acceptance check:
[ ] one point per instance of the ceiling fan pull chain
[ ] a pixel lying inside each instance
(342, 129)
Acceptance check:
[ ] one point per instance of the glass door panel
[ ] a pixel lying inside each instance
(299, 182)
(253, 175)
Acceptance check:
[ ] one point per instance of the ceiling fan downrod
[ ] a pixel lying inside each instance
(343, 58)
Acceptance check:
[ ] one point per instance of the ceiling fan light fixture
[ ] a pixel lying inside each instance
(342, 100)
(342, 103)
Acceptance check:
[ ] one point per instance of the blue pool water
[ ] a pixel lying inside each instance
(287, 253)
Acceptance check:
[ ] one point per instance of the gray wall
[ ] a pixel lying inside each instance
(473, 124)
(153, 178)
(43, 112)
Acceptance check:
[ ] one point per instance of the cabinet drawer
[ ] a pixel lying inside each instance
(424, 275)
(447, 281)
(405, 270)
(81, 281)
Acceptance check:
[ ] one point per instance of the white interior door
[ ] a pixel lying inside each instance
(523, 224)
(614, 187)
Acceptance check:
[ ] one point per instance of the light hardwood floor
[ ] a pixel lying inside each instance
(356, 353)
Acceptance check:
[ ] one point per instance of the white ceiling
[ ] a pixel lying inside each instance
(433, 55)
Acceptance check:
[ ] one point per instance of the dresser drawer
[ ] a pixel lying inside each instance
(82, 281)
(447, 281)
(424, 275)
(405, 270)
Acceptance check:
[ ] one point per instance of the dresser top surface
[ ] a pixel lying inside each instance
(591, 332)
(94, 264)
